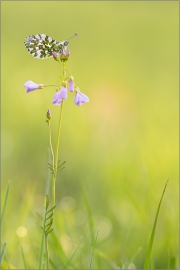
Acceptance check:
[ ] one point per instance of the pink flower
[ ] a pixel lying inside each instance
(31, 86)
(57, 99)
(55, 56)
(59, 96)
(80, 98)
(63, 92)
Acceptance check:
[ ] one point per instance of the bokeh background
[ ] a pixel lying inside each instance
(121, 147)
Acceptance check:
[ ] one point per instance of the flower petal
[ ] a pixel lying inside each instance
(30, 86)
(57, 99)
(63, 92)
(80, 98)
(71, 86)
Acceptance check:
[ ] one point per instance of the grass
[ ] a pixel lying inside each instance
(91, 245)
(150, 246)
(5, 203)
(24, 260)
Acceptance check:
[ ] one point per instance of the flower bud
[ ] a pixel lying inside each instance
(31, 86)
(71, 84)
(48, 114)
(64, 55)
(55, 56)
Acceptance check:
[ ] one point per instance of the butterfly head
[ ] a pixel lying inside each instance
(63, 46)
(66, 43)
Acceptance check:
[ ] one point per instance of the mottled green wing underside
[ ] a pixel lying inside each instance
(42, 46)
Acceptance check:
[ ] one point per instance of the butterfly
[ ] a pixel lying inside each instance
(42, 46)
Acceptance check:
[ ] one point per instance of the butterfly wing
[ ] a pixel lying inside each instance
(42, 46)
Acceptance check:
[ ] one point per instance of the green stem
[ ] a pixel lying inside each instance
(51, 85)
(69, 70)
(56, 159)
(41, 251)
(57, 147)
(50, 142)
(47, 251)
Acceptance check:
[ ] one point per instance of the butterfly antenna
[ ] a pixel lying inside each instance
(75, 34)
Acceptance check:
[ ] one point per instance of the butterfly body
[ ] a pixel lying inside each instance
(42, 46)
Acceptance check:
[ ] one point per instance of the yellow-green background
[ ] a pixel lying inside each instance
(122, 145)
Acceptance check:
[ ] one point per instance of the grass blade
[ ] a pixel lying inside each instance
(52, 264)
(58, 251)
(133, 258)
(73, 254)
(148, 256)
(24, 261)
(48, 180)
(7, 260)
(171, 261)
(5, 202)
(93, 249)
(105, 257)
(2, 252)
(89, 213)
(41, 251)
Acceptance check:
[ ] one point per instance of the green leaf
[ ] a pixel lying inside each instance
(50, 165)
(24, 261)
(148, 256)
(61, 164)
(5, 202)
(51, 209)
(2, 252)
(51, 169)
(47, 232)
(50, 223)
(49, 216)
(47, 202)
(60, 169)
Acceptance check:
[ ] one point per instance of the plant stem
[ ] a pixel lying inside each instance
(57, 147)
(56, 158)
(48, 179)
(51, 85)
(50, 142)
(47, 251)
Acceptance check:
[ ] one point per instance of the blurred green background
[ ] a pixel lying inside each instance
(122, 146)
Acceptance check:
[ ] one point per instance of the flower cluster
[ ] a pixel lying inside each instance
(61, 91)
